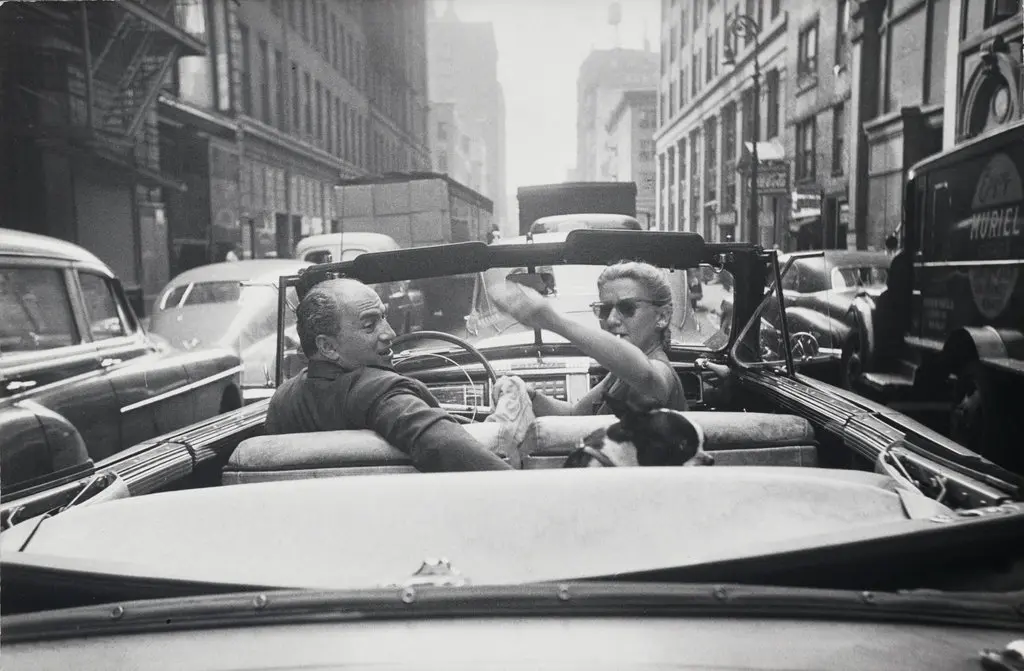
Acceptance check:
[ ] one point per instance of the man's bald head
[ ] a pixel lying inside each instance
(321, 309)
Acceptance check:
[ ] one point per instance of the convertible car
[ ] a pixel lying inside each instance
(830, 533)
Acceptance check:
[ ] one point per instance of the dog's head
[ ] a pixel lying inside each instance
(645, 435)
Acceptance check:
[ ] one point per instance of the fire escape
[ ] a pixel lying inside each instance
(91, 73)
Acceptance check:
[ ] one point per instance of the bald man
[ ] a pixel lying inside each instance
(349, 384)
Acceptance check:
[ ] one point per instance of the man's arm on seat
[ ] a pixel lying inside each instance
(429, 435)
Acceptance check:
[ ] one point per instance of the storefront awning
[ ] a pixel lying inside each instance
(770, 152)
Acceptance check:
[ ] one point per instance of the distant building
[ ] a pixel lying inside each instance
(603, 77)
(463, 59)
(706, 111)
(456, 148)
(631, 156)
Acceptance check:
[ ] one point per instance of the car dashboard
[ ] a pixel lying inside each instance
(464, 390)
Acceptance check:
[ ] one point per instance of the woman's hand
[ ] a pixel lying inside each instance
(523, 304)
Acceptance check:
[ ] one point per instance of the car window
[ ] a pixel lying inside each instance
(36, 310)
(173, 296)
(105, 317)
(227, 291)
(863, 276)
(319, 256)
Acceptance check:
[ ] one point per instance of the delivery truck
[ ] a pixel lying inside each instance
(415, 210)
(546, 200)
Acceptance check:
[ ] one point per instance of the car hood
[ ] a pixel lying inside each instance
(197, 326)
(535, 526)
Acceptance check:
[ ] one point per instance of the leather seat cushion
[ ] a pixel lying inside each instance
(328, 454)
(736, 438)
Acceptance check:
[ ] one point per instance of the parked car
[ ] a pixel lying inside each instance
(407, 307)
(832, 524)
(80, 379)
(230, 305)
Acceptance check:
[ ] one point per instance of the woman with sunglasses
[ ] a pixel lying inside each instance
(635, 312)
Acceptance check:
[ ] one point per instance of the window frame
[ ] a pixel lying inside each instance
(128, 326)
(75, 308)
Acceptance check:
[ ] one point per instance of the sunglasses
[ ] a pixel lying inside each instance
(627, 307)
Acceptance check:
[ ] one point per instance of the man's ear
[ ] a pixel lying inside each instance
(325, 347)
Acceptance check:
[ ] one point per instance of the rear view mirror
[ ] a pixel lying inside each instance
(542, 283)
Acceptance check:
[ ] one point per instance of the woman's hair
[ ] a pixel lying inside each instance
(652, 278)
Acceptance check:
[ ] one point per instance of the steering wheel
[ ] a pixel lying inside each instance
(455, 340)
(803, 345)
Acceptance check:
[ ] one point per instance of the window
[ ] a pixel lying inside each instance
(710, 160)
(684, 28)
(280, 82)
(329, 122)
(697, 18)
(748, 115)
(772, 82)
(265, 81)
(36, 309)
(776, 8)
(106, 318)
(245, 68)
(333, 55)
(838, 136)
(304, 17)
(709, 69)
(695, 177)
(318, 113)
(728, 157)
(308, 90)
(442, 161)
(682, 88)
(296, 113)
(275, 7)
(806, 139)
(807, 54)
(695, 74)
(842, 32)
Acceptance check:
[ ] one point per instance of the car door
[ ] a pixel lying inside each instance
(45, 358)
(143, 379)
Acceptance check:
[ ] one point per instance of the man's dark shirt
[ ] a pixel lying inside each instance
(328, 397)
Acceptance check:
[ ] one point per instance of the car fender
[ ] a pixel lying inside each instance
(803, 319)
(860, 321)
(984, 344)
(214, 374)
(37, 442)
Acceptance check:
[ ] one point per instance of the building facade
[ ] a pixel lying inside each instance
(817, 126)
(899, 72)
(631, 156)
(312, 91)
(706, 118)
(604, 77)
(457, 148)
(79, 137)
(463, 58)
(162, 134)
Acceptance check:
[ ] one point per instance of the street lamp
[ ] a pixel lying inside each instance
(743, 26)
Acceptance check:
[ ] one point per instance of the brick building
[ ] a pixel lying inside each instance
(161, 133)
(79, 134)
(706, 116)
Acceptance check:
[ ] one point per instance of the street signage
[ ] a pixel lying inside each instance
(773, 181)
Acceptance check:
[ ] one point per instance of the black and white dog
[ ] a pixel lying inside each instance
(643, 436)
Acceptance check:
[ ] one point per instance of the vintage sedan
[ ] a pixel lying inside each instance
(831, 532)
(230, 305)
(407, 306)
(80, 379)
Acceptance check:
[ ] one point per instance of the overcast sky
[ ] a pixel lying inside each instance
(541, 44)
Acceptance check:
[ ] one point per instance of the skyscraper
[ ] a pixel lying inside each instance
(463, 67)
(604, 77)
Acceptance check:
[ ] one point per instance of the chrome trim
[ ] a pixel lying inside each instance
(953, 264)
(182, 389)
